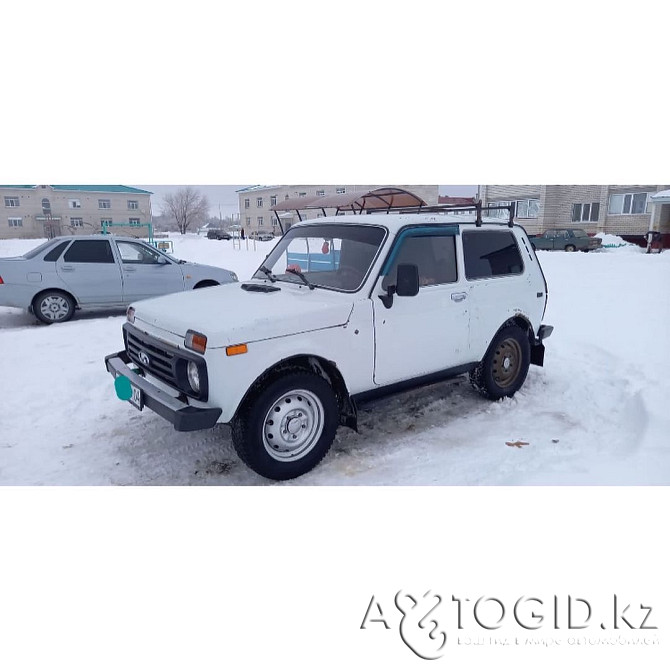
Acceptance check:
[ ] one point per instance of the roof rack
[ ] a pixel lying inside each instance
(478, 208)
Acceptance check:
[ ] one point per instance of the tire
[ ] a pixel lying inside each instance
(53, 307)
(571, 247)
(285, 430)
(503, 370)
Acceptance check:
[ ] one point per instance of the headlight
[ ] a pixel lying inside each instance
(130, 315)
(193, 376)
(233, 276)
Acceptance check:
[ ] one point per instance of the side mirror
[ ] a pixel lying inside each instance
(407, 283)
(406, 286)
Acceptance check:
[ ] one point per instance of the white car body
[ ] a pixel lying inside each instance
(356, 342)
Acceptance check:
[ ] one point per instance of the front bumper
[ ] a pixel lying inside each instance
(180, 414)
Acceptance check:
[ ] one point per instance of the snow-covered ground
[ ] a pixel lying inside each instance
(597, 413)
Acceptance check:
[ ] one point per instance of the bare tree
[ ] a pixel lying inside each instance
(186, 206)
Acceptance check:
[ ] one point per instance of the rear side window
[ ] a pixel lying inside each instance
(89, 251)
(55, 253)
(491, 253)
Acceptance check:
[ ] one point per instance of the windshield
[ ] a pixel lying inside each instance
(332, 256)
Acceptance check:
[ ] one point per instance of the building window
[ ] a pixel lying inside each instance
(248, 220)
(340, 190)
(274, 223)
(302, 194)
(134, 222)
(246, 203)
(76, 222)
(15, 222)
(11, 201)
(273, 200)
(46, 206)
(286, 197)
(527, 209)
(105, 222)
(74, 204)
(133, 204)
(260, 220)
(259, 202)
(104, 204)
(321, 192)
(498, 213)
(628, 203)
(588, 211)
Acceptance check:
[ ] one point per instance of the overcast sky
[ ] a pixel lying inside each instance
(225, 198)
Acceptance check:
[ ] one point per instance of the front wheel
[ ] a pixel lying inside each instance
(505, 366)
(53, 307)
(285, 430)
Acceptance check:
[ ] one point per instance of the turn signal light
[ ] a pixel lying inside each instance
(236, 349)
(195, 341)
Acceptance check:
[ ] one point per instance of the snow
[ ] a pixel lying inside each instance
(609, 240)
(595, 414)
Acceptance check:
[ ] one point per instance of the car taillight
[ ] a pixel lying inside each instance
(1, 282)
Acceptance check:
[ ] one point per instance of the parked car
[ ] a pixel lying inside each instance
(565, 239)
(96, 272)
(343, 309)
(218, 235)
(261, 236)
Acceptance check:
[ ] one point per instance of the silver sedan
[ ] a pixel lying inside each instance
(96, 272)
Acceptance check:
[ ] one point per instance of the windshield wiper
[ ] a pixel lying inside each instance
(268, 273)
(298, 273)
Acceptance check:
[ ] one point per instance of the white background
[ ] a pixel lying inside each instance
(285, 93)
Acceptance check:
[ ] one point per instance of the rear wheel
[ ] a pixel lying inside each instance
(570, 247)
(286, 429)
(505, 366)
(53, 307)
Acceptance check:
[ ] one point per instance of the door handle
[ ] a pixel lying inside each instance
(67, 268)
(130, 268)
(458, 297)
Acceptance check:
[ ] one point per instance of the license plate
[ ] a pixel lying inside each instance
(136, 398)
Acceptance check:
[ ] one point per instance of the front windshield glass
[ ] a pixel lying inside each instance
(332, 256)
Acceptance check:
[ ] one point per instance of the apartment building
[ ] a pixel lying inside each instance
(627, 211)
(48, 211)
(255, 202)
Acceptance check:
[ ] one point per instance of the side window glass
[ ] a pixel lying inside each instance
(491, 254)
(55, 253)
(132, 252)
(89, 251)
(435, 256)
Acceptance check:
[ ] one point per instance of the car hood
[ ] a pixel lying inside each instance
(231, 315)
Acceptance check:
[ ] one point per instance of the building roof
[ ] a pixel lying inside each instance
(106, 188)
(387, 197)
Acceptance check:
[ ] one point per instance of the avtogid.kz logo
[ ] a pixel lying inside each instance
(427, 622)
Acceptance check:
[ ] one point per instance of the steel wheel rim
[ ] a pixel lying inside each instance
(507, 362)
(54, 307)
(293, 425)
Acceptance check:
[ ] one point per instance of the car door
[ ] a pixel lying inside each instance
(90, 271)
(146, 272)
(428, 332)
